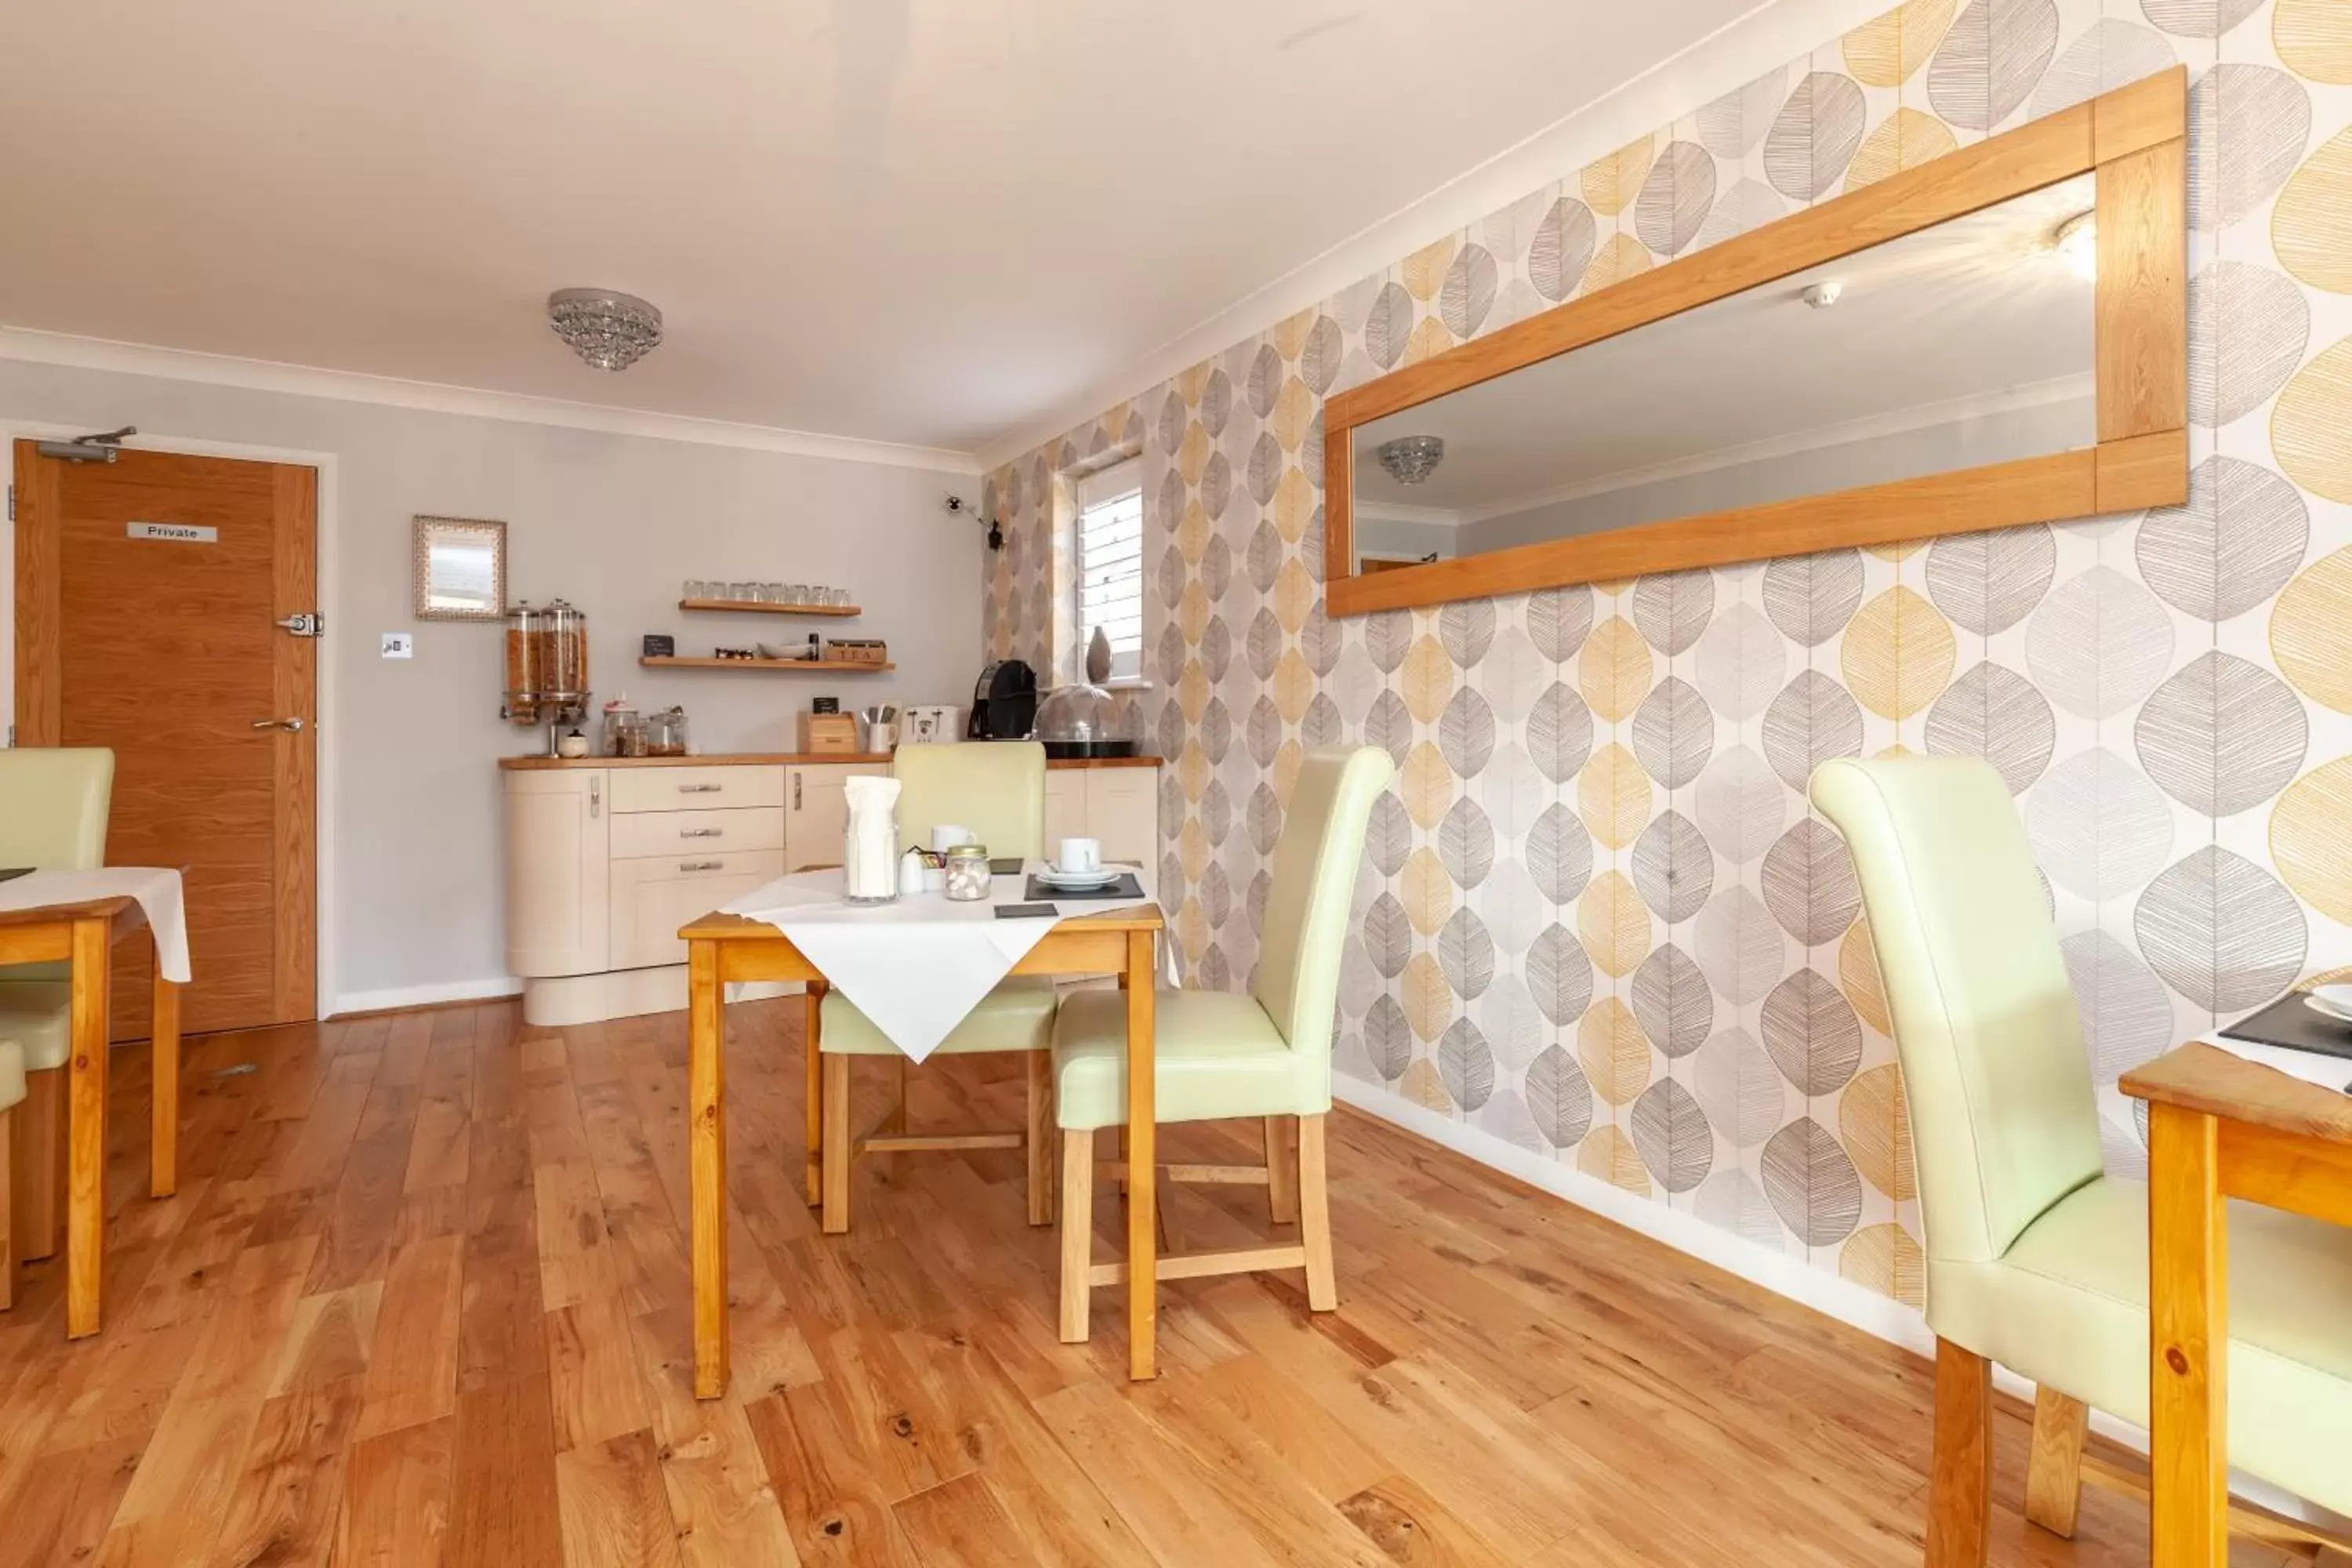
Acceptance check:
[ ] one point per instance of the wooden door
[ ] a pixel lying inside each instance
(161, 642)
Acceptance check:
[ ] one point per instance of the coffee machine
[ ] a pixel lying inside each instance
(1004, 703)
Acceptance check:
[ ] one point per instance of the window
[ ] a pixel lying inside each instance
(1110, 565)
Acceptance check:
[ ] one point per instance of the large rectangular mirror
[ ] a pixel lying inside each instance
(2002, 339)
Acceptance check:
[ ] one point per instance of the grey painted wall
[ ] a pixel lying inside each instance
(612, 523)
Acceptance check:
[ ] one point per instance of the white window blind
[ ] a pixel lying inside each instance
(1110, 564)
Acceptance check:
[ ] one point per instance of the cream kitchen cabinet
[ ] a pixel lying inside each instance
(817, 811)
(558, 871)
(1118, 806)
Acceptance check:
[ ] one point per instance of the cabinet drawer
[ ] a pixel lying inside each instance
(697, 834)
(654, 895)
(696, 789)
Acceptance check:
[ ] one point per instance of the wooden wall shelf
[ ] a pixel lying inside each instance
(758, 608)
(829, 666)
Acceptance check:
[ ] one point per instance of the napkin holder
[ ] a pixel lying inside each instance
(869, 845)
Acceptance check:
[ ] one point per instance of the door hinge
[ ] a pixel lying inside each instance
(305, 624)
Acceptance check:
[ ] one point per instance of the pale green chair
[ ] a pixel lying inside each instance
(53, 810)
(996, 788)
(11, 1095)
(1265, 1055)
(2035, 1258)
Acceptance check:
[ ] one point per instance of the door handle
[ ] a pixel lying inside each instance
(702, 865)
(291, 726)
(701, 789)
(701, 833)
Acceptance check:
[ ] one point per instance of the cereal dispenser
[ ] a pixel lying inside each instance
(547, 667)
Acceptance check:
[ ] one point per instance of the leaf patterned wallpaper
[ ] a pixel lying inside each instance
(1597, 920)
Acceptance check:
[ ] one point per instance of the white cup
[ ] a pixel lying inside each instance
(948, 834)
(1080, 855)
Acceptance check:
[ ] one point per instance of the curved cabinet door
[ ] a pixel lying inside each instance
(559, 824)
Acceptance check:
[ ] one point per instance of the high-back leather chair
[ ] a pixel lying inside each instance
(2036, 1258)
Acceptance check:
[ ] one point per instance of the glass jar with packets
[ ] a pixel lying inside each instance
(968, 880)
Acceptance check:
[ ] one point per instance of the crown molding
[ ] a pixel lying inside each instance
(64, 349)
(1397, 511)
(1775, 33)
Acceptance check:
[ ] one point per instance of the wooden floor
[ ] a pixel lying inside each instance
(422, 1298)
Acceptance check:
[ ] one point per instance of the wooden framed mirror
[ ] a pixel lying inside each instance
(1997, 337)
(458, 569)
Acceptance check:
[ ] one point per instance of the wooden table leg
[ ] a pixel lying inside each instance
(2188, 1339)
(813, 1087)
(706, 1089)
(93, 944)
(1142, 1162)
(163, 1089)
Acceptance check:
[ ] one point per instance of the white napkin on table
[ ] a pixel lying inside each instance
(156, 887)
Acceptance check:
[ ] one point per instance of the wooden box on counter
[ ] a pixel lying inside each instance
(829, 734)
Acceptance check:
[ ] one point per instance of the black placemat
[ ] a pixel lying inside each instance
(2287, 1022)
(1127, 887)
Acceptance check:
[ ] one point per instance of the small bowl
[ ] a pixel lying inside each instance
(2333, 1001)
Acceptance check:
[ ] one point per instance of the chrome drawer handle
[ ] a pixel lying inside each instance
(701, 833)
(701, 789)
(702, 865)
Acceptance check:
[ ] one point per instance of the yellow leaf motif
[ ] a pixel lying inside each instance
(1897, 654)
(2311, 226)
(1432, 337)
(2315, 39)
(1426, 784)
(1193, 452)
(1192, 930)
(1193, 691)
(1295, 500)
(1614, 1055)
(1905, 140)
(1192, 850)
(2311, 631)
(1610, 184)
(1424, 1086)
(1622, 257)
(1875, 1126)
(1193, 612)
(1289, 334)
(1612, 796)
(1858, 977)
(1612, 673)
(2311, 838)
(1427, 999)
(1428, 680)
(1193, 532)
(1884, 1259)
(1426, 890)
(1294, 411)
(1293, 593)
(1885, 51)
(1287, 761)
(2311, 424)
(1424, 270)
(1294, 686)
(1613, 924)
(1609, 1154)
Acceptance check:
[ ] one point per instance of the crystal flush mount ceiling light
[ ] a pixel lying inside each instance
(1411, 460)
(610, 329)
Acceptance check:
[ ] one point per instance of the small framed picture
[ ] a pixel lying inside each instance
(459, 569)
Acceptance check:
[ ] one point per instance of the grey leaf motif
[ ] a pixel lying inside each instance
(1387, 636)
(1812, 720)
(1811, 1033)
(1559, 976)
(1466, 1064)
(1558, 1098)
(1389, 838)
(1265, 559)
(1816, 136)
(1991, 61)
(2099, 828)
(1675, 198)
(2199, 18)
(1560, 619)
(1320, 356)
(1812, 1185)
(1170, 576)
(1465, 842)
(1740, 805)
(1747, 204)
(1216, 730)
(1562, 248)
(1466, 954)
(2258, 322)
(1673, 733)
(1731, 125)
(1559, 854)
(2250, 123)
(1811, 597)
(1559, 732)
(1509, 231)
(1738, 1087)
(1468, 292)
(1730, 1200)
(1809, 883)
(1217, 401)
(1672, 1002)
(1674, 871)
(1986, 582)
(1217, 484)
(1507, 1118)
(1320, 641)
(1738, 946)
(1464, 628)
(2126, 1017)
(2223, 735)
(1465, 732)
(1389, 726)
(1740, 663)
(1388, 936)
(1264, 645)
(2114, 53)
(1671, 1134)
(1264, 818)
(2099, 644)
(2235, 543)
(1387, 1038)
(1389, 326)
(2221, 931)
(1265, 732)
(1265, 471)
(1322, 726)
(1995, 713)
(1266, 378)
(1672, 608)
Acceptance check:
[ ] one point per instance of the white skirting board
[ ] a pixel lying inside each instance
(433, 996)
(1826, 1293)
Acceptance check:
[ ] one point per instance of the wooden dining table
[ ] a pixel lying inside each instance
(84, 935)
(2219, 1127)
(722, 949)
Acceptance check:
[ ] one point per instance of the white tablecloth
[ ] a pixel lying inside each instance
(916, 966)
(157, 888)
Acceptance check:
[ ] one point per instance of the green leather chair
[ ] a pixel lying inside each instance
(11, 1095)
(996, 788)
(53, 809)
(2035, 1258)
(1265, 1055)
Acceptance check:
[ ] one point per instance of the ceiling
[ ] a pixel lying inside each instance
(918, 223)
(1970, 314)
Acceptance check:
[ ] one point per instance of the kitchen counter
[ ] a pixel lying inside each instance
(777, 759)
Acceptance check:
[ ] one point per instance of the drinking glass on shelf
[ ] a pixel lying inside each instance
(795, 592)
(839, 598)
(738, 592)
(774, 593)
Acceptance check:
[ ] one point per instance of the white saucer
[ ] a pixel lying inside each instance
(1078, 881)
(2331, 1001)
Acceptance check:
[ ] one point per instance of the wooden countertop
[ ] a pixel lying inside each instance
(777, 759)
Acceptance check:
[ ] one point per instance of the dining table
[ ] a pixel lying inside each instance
(77, 917)
(2252, 1122)
(728, 947)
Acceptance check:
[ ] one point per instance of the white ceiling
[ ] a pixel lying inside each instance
(929, 224)
(1956, 318)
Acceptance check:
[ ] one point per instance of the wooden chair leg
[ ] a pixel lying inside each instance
(2053, 1471)
(1281, 1172)
(835, 1219)
(1038, 1137)
(1078, 1232)
(811, 1015)
(1960, 1495)
(8, 1227)
(38, 1190)
(896, 1122)
(1315, 1217)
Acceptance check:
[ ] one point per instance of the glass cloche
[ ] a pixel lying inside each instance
(1082, 721)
